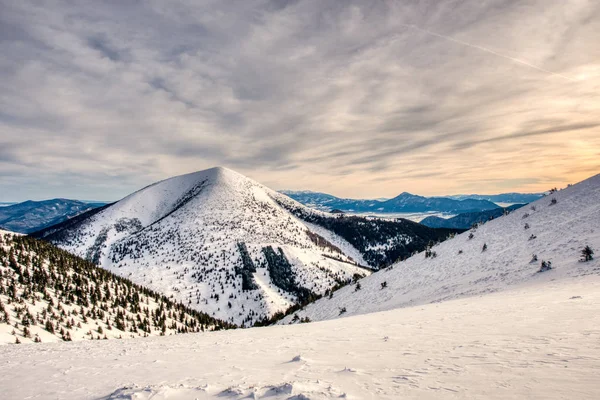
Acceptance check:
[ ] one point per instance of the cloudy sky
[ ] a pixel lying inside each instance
(355, 98)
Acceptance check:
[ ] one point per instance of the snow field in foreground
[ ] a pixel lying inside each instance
(536, 342)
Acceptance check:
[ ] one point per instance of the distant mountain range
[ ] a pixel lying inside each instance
(512, 198)
(403, 203)
(327, 202)
(467, 220)
(30, 216)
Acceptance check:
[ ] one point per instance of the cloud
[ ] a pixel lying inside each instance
(8, 153)
(101, 44)
(537, 132)
(352, 97)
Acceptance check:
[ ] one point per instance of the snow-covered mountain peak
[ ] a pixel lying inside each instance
(158, 199)
(216, 240)
(216, 187)
(229, 246)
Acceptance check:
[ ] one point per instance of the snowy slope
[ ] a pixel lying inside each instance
(553, 232)
(48, 295)
(182, 237)
(538, 342)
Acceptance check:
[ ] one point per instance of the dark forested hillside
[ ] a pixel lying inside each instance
(47, 294)
(467, 220)
(381, 241)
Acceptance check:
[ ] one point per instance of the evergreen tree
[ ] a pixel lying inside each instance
(587, 254)
(49, 326)
(546, 266)
(32, 271)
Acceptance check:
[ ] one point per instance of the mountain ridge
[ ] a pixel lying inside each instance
(444, 204)
(501, 253)
(30, 216)
(403, 203)
(509, 197)
(223, 243)
(467, 220)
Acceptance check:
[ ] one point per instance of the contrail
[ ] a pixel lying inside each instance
(474, 46)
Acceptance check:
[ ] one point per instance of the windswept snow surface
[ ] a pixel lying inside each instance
(181, 237)
(537, 342)
(553, 232)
